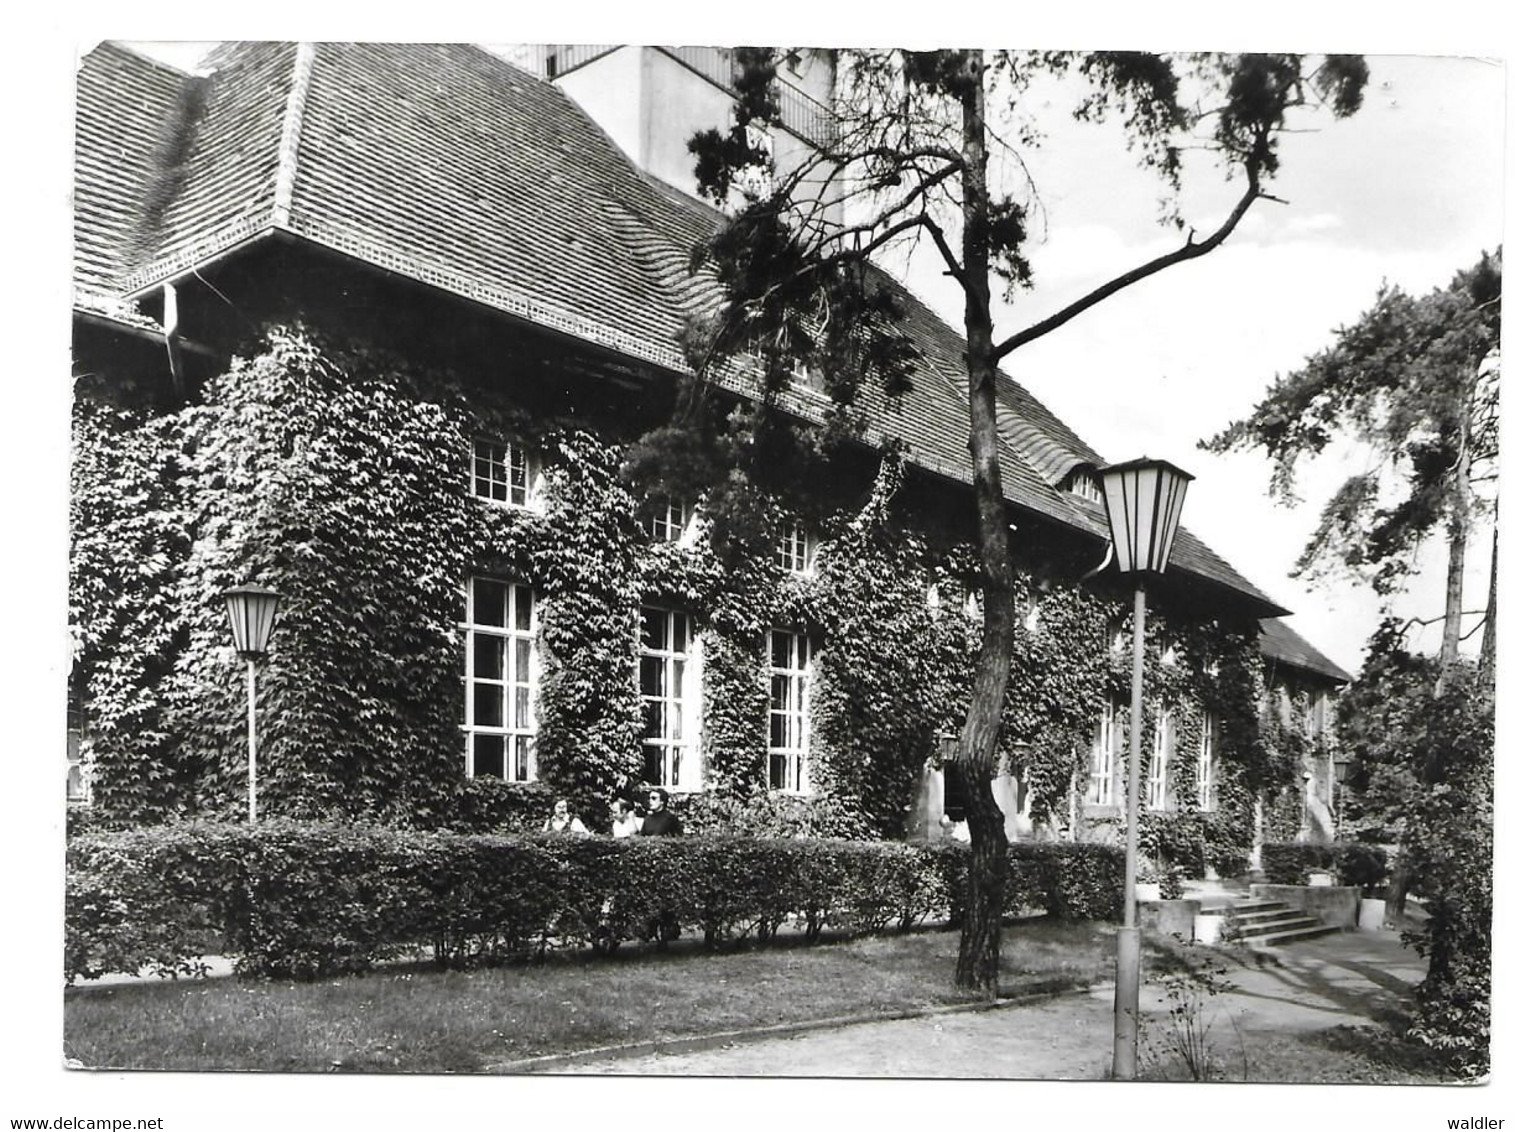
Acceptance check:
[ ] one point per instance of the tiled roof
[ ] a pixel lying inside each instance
(125, 102)
(448, 165)
(1282, 644)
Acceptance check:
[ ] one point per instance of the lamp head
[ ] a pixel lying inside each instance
(251, 610)
(1143, 499)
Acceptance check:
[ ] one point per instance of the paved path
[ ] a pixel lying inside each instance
(1351, 978)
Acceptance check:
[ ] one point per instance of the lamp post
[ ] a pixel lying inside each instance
(251, 611)
(1143, 499)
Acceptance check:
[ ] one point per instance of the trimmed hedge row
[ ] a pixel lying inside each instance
(303, 900)
(1366, 866)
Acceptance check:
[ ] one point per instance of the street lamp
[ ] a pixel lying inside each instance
(251, 610)
(1143, 499)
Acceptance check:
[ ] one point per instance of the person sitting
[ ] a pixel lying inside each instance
(660, 821)
(562, 820)
(624, 821)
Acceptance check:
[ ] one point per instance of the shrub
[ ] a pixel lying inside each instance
(1292, 863)
(1366, 866)
(303, 900)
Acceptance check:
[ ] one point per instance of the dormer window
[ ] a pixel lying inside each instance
(1083, 482)
(796, 549)
(669, 521)
(505, 472)
(808, 378)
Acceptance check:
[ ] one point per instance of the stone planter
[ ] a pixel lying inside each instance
(1169, 917)
(1370, 914)
(1208, 927)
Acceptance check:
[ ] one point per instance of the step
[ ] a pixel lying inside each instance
(1296, 922)
(1274, 939)
(1265, 916)
(1257, 904)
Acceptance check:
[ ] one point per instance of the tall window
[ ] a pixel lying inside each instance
(669, 697)
(789, 711)
(1204, 768)
(1157, 766)
(500, 681)
(1315, 702)
(1102, 763)
(669, 521)
(1033, 616)
(796, 549)
(78, 784)
(505, 473)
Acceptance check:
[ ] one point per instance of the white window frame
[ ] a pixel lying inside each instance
(517, 728)
(1158, 763)
(673, 521)
(76, 784)
(1033, 617)
(797, 549)
(1204, 765)
(1102, 762)
(678, 694)
(789, 722)
(507, 473)
(1084, 483)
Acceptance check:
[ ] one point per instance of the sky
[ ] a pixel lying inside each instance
(1409, 191)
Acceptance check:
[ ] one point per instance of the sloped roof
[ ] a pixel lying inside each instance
(450, 166)
(1282, 644)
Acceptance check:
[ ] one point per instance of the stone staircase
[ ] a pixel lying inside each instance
(1267, 923)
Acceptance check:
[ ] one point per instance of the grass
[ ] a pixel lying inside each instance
(424, 1021)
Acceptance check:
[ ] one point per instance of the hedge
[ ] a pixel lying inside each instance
(303, 900)
(1292, 863)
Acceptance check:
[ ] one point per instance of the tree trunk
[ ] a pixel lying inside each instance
(1487, 647)
(978, 949)
(1457, 544)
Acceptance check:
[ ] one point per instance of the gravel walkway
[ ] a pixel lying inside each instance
(1348, 979)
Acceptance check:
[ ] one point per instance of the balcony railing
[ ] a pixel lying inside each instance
(801, 115)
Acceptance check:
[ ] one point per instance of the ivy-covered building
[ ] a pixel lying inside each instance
(383, 326)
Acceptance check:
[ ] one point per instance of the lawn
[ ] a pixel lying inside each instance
(418, 1020)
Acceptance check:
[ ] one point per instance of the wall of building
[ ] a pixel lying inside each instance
(615, 91)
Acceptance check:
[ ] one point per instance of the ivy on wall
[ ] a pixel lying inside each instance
(340, 475)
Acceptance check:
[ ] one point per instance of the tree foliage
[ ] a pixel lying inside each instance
(1423, 764)
(932, 148)
(1416, 381)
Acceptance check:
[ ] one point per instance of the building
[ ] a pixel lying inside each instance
(479, 296)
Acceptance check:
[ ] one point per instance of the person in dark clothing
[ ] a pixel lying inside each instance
(660, 820)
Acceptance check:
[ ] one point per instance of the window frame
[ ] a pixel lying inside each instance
(660, 526)
(76, 782)
(796, 543)
(798, 675)
(1159, 763)
(1204, 763)
(496, 454)
(684, 750)
(1101, 790)
(519, 738)
(1083, 483)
